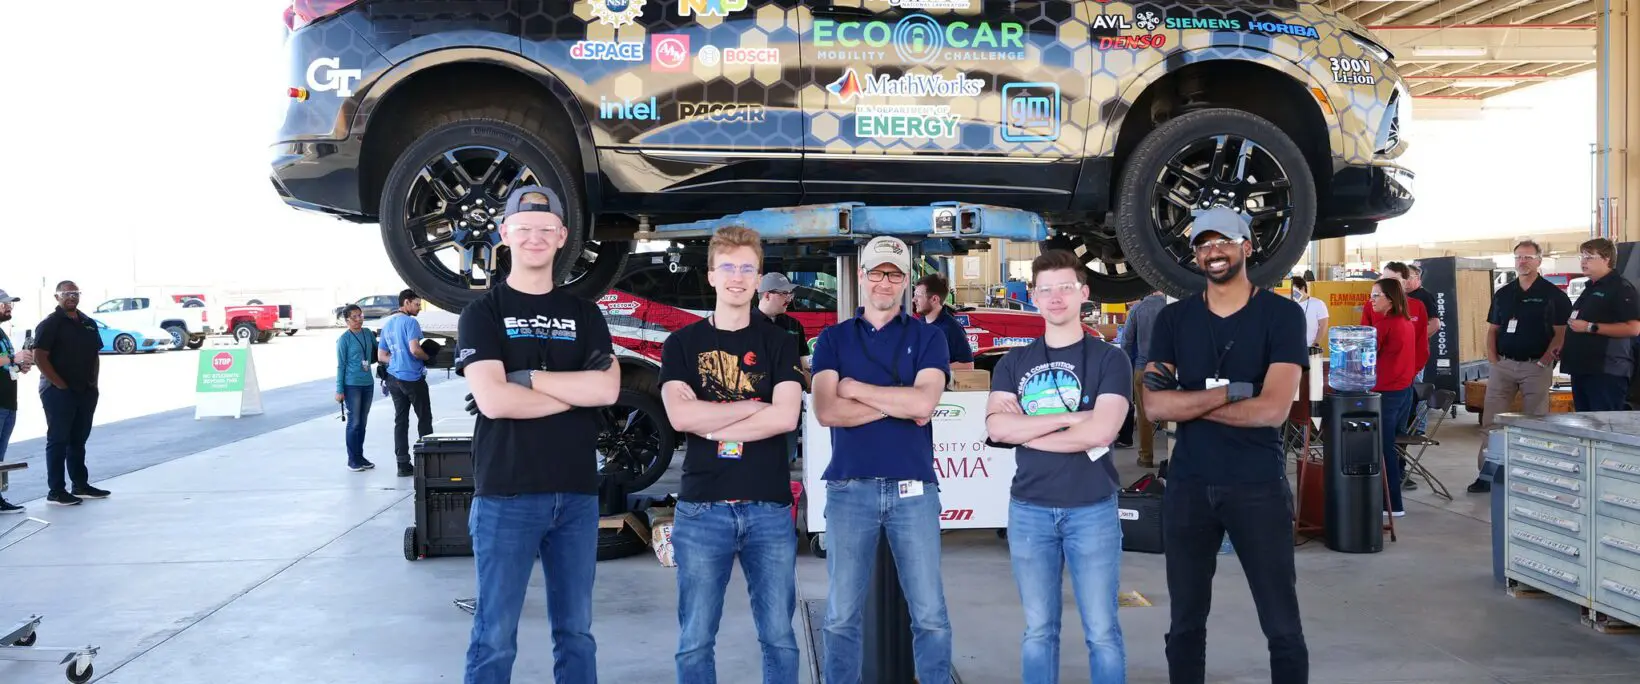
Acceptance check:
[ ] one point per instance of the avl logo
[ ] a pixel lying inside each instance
(1030, 112)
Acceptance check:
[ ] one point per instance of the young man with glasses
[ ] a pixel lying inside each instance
(66, 347)
(1526, 327)
(539, 362)
(877, 379)
(1055, 400)
(1599, 351)
(1225, 366)
(14, 363)
(733, 384)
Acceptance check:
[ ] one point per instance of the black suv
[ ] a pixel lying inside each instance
(1115, 120)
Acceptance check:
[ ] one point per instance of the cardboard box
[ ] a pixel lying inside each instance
(970, 381)
(660, 525)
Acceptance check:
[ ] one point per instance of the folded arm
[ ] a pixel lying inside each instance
(1272, 405)
(581, 388)
(690, 414)
(1096, 428)
(777, 418)
(500, 399)
(1007, 424)
(834, 411)
(1179, 406)
(911, 403)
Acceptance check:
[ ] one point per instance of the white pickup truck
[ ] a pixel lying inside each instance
(187, 325)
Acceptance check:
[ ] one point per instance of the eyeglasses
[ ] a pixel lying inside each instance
(1057, 290)
(878, 276)
(1586, 257)
(66, 294)
(1211, 245)
(732, 269)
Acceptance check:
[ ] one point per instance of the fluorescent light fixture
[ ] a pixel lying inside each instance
(1448, 51)
(1483, 83)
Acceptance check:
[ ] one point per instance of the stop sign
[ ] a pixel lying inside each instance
(222, 361)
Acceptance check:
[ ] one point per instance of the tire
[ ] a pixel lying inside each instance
(1109, 276)
(125, 344)
(637, 442)
(28, 640)
(619, 543)
(1279, 239)
(487, 151)
(266, 336)
(817, 544)
(591, 277)
(290, 333)
(196, 343)
(179, 336)
(245, 331)
(412, 550)
(79, 677)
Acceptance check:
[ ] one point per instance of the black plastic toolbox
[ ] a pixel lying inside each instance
(444, 497)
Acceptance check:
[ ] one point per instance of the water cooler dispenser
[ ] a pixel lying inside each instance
(1354, 472)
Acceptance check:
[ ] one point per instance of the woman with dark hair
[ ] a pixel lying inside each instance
(1397, 364)
(355, 352)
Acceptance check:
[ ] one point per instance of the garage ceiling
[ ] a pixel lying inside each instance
(1470, 50)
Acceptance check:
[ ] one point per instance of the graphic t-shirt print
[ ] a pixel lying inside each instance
(541, 328)
(723, 376)
(1050, 388)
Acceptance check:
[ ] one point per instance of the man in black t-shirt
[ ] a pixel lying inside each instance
(539, 364)
(1599, 352)
(66, 346)
(733, 383)
(1225, 366)
(14, 363)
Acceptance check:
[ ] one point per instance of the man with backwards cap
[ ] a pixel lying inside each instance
(877, 379)
(1225, 366)
(774, 298)
(538, 362)
(14, 363)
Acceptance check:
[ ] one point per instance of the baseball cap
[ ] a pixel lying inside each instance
(886, 250)
(517, 205)
(775, 282)
(1222, 220)
(6, 298)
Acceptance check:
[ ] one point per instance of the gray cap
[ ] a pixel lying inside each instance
(886, 249)
(775, 282)
(6, 298)
(515, 203)
(1222, 220)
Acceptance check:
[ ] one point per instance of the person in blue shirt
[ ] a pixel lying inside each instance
(928, 301)
(355, 352)
(406, 376)
(877, 378)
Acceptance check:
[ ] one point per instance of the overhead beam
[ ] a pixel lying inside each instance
(1550, 46)
(1420, 14)
(1561, 12)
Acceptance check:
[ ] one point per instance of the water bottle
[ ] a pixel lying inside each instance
(28, 339)
(1354, 358)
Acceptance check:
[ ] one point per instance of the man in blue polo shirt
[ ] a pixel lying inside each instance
(877, 378)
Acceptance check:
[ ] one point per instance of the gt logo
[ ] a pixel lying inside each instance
(336, 78)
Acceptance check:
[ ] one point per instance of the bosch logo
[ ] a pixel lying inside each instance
(669, 52)
(222, 361)
(325, 74)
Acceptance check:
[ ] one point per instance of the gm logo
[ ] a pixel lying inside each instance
(1030, 112)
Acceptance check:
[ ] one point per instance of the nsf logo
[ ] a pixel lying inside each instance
(1030, 112)
(918, 38)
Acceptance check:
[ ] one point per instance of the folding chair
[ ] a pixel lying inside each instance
(1440, 401)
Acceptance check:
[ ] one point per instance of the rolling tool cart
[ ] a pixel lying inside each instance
(444, 497)
(18, 642)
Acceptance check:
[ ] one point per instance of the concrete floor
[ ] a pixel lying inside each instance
(265, 560)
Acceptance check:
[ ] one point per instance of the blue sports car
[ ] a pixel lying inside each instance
(131, 341)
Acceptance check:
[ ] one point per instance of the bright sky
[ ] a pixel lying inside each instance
(140, 151)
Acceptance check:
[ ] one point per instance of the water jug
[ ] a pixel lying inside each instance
(1354, 358)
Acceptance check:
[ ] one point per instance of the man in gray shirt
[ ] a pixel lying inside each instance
(1136, 342)
(1060, 401)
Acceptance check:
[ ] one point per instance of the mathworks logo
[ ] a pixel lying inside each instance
(920, 39)
(949, 412)
(852, 85)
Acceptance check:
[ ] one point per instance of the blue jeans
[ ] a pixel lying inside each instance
(358, 399)
(509, 533)
(706, 537)
(857, 512)
(1041, 542)
(69, 415)
(8, 422)
(1396, 407)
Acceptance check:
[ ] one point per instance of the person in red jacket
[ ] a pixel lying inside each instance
(1398, 345)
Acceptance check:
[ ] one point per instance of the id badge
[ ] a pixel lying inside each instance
(910, 488)
(1574, 314)
(1511, 328)
(364, 364)
(1217, 382)
(730, 450)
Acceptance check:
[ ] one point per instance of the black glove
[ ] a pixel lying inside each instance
(472, 405)
(1161, 380)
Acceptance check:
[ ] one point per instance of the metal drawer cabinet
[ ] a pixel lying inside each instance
(1615, 461)
(1617, 592)
(1550, 572)
(1524, 509)
(1560, 547)
(1617, 541)
(1618, 497)
(1567, 447)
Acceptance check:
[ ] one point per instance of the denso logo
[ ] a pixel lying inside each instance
(920, 39)
(957, 514)
(335, 77)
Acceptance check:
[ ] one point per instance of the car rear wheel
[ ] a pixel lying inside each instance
(442, 202)
(1207, 158)
(637, 442)
(125, 344)
(1110, 277)
(179, 337)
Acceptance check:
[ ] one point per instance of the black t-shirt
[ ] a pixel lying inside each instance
(1240, 348)
(554, 332)
(725, 366)
(1535, 311)
(1048, 381)
(790, 325)
(8, 386)
(1611, 299)
(72, 345)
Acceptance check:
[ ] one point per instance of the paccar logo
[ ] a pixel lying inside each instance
(606, 51)
(721, 112)
(948, 412)
(669, 52)
(957, 514)
(335, 77)
(222, 361)
(1030, 112)
(920, 39)
(709, 8)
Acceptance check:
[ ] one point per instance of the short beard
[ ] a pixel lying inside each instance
(1230, 273)
(5, 317)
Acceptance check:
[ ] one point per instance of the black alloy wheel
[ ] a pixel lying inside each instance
(1110, 277)
(453, 214)
(1214, 158)
(636, 443)
(125, 344)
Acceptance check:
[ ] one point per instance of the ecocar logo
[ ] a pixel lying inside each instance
(920, 39)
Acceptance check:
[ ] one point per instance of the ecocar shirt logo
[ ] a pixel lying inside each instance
(920, 39)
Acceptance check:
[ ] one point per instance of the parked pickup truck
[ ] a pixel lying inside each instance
(261, 322)
(186, 325)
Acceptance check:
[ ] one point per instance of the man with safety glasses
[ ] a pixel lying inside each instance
(1599, 352)
(66, 348)
(877, 379)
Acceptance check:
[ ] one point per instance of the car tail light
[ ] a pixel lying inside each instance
(304, 12)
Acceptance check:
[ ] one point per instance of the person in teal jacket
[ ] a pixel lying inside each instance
(355, 352)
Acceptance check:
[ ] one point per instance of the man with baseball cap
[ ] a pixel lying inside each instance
(1225, 366)
(877, 379)
(774, 299)
(14, 363)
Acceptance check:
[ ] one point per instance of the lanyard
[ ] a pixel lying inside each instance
(362, 351)
(892, 367)
(1218, 366)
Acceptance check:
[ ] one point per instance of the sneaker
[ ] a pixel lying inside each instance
(89, 492)
(355, 467)
(63, 499)
(1123, 445)
(9, 508)
(1409, 485)
(406, 470)
(1480, 486)
(366, 464)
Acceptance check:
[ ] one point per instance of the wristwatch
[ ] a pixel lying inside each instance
(1594, 327)
(1238, 391)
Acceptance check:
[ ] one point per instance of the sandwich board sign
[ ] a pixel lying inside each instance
(225, 384)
